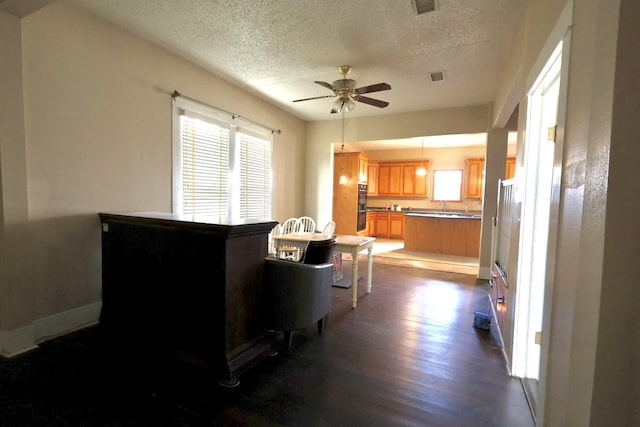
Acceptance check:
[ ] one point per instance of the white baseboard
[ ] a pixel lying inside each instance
(23, 339)
(484, 273)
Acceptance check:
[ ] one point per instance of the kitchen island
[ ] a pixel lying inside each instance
(443, 233)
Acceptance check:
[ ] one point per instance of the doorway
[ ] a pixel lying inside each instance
(540, 153)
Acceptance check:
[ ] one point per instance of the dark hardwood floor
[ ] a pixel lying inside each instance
(407, 356)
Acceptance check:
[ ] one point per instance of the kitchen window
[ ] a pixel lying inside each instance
(447, 185)
(221, 165)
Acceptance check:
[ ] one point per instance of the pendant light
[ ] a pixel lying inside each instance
(421, 171)
(343, 177)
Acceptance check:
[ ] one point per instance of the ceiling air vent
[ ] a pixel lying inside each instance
(437, 76)
(424, 6)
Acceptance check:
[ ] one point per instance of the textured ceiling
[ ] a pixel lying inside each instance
(277, 48)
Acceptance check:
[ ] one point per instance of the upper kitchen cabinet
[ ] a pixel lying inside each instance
(399, 179)
(474, 179)
(414, 185)
(372, 179)
(363, 168)
(475, 176)
(353, 166)
(511, 168)
(389, 179)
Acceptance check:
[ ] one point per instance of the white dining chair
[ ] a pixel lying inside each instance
(336, 259)
(292, 225)
(329, 228)
(308, 224)
(275, 232)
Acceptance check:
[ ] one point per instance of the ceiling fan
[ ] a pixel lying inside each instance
(348, 94)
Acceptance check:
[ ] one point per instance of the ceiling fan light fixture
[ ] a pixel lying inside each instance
(348, 94)
(343, 103)
(349, 105)
(337, 106)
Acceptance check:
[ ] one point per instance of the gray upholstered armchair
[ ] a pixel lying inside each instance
(299, 294)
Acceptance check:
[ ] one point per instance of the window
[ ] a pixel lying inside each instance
(255, 177)
(221, 166)
(447, 185)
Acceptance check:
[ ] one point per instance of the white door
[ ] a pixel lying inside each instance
(540, 152)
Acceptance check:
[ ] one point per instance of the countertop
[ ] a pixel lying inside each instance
(432, 213)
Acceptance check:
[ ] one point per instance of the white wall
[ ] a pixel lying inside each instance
(590, 340)
(616, 396)
(98, 138)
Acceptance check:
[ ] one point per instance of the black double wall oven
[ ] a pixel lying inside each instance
(362, 207)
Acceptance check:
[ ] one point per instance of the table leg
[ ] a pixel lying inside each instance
(369, 268)
(354, 277)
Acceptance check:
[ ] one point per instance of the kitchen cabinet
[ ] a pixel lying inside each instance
(372, 179)
(474, 180)
(399, 179)
(475, 176)
(345, 196)
(381, 224)
(396, 225)
(363, 168)
(371, 224)
(511, 168)
(414, 185)
(389, 179)
(389, 224)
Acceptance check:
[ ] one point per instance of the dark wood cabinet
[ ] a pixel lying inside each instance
(174, 287)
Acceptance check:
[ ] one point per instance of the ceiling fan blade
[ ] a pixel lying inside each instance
(325, 84)
(371, 101)
(373, 88)
(314, 97)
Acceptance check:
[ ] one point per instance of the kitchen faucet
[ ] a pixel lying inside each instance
(444, 206)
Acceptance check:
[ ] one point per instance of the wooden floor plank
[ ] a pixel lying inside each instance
(408, 355)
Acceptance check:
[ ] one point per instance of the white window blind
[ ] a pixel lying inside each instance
(255, 177)
(220, 169)
(205, 167)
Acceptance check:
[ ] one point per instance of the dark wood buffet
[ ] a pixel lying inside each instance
(186, 288)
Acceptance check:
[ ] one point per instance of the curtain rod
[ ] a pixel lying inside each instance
(234, 116)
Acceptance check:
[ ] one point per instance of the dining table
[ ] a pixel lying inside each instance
(344, 243)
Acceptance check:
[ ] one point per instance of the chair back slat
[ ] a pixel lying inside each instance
(308, 224)
(292, 225)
